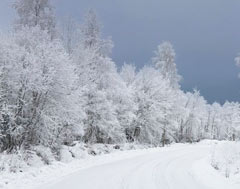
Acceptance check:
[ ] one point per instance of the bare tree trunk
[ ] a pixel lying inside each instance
(163, 137)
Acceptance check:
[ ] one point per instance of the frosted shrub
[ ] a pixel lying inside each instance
(44, 153)
(12, 162)
(225, 157)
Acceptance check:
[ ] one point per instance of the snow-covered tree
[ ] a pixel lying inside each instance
(39, 77)
(164, 61)
(154, 100)
(9, 58)
(230, 120)
(33, 13)
(196, 115)
(37, 81)
(128, 73)
(213, 126)
(128, 115)
(101, 85)
(91, 35)
(70, 30)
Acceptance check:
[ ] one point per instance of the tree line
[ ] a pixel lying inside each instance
(59, 86)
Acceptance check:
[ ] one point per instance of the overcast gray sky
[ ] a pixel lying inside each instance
(205, 34)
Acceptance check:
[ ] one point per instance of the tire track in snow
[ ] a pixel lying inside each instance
(164, 168)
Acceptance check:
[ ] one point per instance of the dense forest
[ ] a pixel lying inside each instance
(58, 84)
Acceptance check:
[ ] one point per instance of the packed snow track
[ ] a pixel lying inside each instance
(163, 168)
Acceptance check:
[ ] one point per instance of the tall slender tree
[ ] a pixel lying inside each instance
(100, 82)
(164, 61)
(33, 13)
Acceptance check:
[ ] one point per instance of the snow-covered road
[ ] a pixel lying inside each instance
(177, 167)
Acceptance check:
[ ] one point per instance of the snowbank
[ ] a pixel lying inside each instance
(225, 158)
(40, 163)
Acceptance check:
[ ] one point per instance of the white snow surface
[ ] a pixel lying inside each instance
(180, 166)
